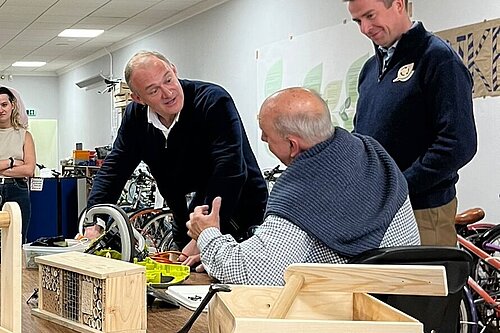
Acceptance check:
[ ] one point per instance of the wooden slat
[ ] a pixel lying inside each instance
(255, 302)
(10, 280)
(368, 308)
(71, 324)
(286, 297)
(263, 325)
(4, 219)
(90, 265)
(126, 294)
(380, 279)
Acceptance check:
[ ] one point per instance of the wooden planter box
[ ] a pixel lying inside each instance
(88, 293)
(326, 298)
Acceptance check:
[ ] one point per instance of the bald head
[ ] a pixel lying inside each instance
(300, 112)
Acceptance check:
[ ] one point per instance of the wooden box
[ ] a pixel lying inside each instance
(326, 298)
(88, 293)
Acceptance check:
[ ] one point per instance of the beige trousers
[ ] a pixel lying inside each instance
(437, 225)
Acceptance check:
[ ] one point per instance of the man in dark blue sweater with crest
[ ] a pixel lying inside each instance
(415, 98)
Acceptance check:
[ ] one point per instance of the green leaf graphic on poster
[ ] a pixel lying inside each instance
(274, 78)
(313, 78)
(332, 94)
(352, 76)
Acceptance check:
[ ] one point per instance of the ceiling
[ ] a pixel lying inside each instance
(29, 29)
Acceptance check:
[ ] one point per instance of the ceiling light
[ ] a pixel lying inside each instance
(84, 33)
(28, 64)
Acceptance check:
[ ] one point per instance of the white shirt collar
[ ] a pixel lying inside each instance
(155, 120)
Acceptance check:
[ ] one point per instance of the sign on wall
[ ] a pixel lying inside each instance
(478, 46)
(327, 60)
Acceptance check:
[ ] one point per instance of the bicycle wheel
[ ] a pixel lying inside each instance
(488, 278)
(138, 219)
(167, 244)
(157, 227)
(467, 313)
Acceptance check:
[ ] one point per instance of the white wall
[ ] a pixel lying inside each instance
(219, 45)
(40, 93)
(85, 115)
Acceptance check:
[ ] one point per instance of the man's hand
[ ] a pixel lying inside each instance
(200, 219)
(93, 231)
(191, 256)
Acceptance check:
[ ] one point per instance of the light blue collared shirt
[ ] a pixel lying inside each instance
(388, 52)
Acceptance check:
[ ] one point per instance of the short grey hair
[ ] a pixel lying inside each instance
(387, 3)
(312, 127)
(135, 60)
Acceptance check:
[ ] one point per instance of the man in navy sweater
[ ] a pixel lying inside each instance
(190, 135)
(415, 98)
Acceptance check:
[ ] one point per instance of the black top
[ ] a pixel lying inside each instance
(207, 153)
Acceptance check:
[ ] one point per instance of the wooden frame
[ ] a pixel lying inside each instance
(11, 273)
(327, 298)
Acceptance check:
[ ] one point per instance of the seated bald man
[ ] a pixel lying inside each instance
(340, 195)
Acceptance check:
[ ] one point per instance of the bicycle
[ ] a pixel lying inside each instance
(480, 307)
(272, 175)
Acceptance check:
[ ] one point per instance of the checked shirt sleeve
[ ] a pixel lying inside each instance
(261, 259)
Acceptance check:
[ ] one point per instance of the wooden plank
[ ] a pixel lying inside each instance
(285, 299)
(71, 324)
(4, 219)
(11, 277)
(255, 302)
(217, 309)
(368, 308)
(381, 279)
(90, 265)
(245, 325)
(125, 304)
(322, 306)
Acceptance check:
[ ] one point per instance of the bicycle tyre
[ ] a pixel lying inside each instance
(468, 321)
(157, 227)
(167, 244)
(488, 278)
(139, 218)
(491, 236)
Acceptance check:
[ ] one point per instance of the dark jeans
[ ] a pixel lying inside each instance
(18, 192)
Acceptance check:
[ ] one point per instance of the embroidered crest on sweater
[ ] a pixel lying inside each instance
(404, 73)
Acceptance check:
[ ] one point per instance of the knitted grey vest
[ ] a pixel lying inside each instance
(344, 191)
